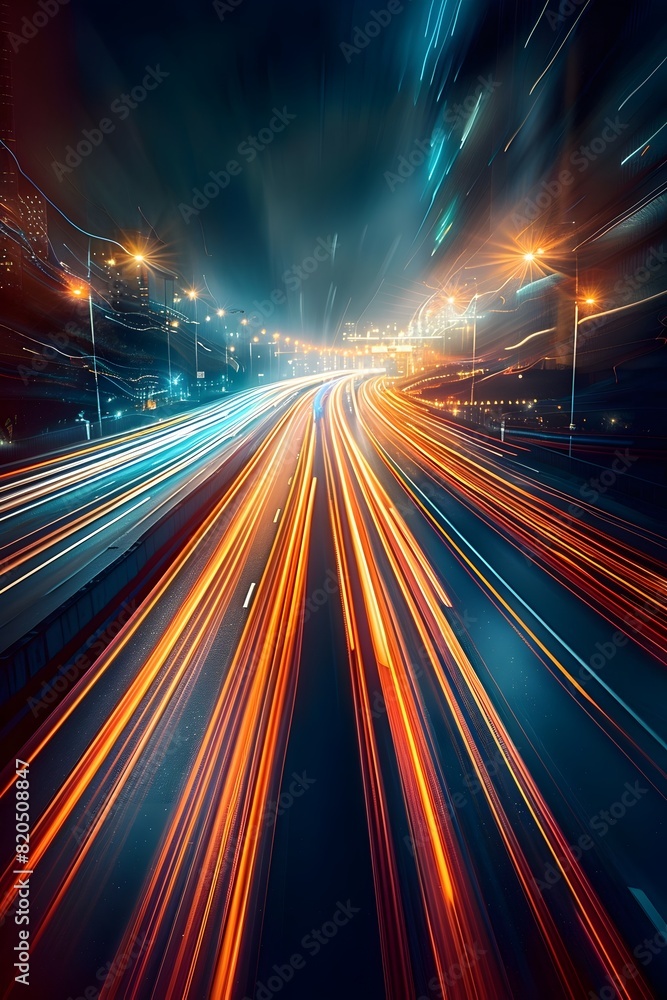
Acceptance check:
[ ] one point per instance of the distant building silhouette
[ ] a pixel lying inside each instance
(23, 218)
(34, 221)
(10, 213)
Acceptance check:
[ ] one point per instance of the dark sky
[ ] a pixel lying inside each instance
(325, 175)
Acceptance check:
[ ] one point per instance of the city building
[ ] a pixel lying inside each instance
(34, 222)
(10, 215)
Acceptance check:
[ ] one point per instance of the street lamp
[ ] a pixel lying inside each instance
(166, 277)
(255, 340)
(220, 313)
(474, 346)
(228, 312)
(153, 263)
(588, 301)
(530, 258)
(78, 291)
(192, 295)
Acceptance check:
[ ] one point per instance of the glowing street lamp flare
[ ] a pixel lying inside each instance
(364, 553)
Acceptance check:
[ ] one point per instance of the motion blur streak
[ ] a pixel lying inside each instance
(365, 522)
(625, 583)
(123, 738)
(195, 904)
(451, 924)
(196, 657)
(142, 464)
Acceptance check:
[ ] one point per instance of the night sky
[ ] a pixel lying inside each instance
(457, 79)
(414, 569)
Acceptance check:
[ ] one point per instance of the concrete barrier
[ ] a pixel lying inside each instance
(45, 653)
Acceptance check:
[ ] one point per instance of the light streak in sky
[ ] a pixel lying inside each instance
(536, 24)
(643, 145)
(632, 94)
(558, 50)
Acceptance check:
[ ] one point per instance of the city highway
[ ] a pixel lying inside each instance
(63, 519)
(389, 669)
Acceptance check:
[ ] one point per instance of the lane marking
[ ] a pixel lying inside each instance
(63, 552)
(248, 595)
(277, 515)
(592, 673)
(524, 466)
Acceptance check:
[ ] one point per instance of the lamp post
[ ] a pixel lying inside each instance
(220, 313)
(474, 347)
(503, 417)
(573, 426)
(530, 257)
(192, 295)
(272, 347)
(575, 332)
(92, 338)
(146, 256)
(166, 317)
(574, 349)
